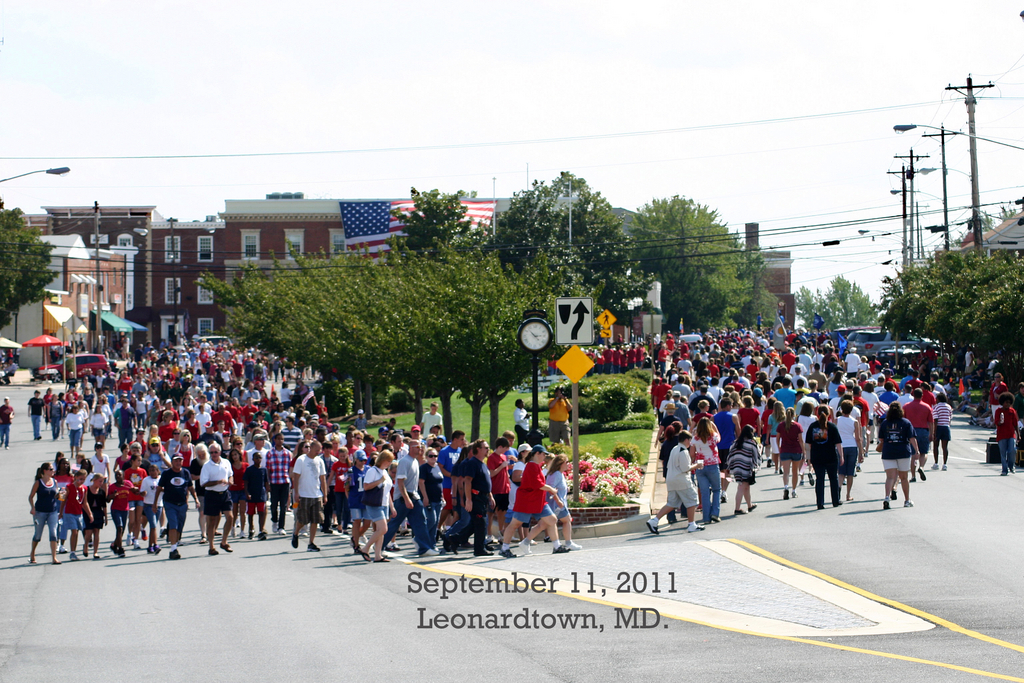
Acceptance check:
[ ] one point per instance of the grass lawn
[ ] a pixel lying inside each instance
(462, 415)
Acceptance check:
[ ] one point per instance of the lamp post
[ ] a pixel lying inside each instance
(174, 280)
(63, 170)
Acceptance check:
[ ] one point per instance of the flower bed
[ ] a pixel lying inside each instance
(609, 476)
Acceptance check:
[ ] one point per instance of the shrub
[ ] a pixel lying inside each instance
(591, 448)
(640, 404)
(604, 501)
(398, 402)
(337, 396)
(629, 452)
(560, 449)
(638, 374)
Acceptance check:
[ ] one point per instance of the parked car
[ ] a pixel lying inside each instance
(872, 342)
(85, 364)
(212, 339)
(908, 352)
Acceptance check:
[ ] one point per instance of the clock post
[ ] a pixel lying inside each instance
(535, 337)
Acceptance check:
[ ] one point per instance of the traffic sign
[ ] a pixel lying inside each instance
(606, 318)
(574, 323)
(605, 333)
(575, 364)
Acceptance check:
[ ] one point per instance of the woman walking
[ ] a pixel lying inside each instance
(898, 442)
(788, 440)
(826, 456)
(378, 504)
(942, 413)
(850, 433)
(709, 477)
(744, 458)
(45, 509)
(75, 423)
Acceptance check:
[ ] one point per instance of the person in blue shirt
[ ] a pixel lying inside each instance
(446, 459)
(889, 395)
(786, 395)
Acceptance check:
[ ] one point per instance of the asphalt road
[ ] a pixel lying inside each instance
(268, 611)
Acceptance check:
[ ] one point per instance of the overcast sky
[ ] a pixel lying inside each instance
(90, 79)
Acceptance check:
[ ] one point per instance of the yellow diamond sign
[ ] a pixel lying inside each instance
(575, 364)
(606, 318)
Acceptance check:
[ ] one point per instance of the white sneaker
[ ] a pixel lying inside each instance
(908, 504)
(429, 552)
(935, 466)
(525, 547)
(573, 546)
(135, 544)
(530, 542)
(281, 531)
(943, 468)
(725, 497)
(792, 494)
(652, 524)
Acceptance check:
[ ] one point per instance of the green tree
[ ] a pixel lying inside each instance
(843, 304)
(24, 261)
(599, 259)
(707, 278)
(438, 220)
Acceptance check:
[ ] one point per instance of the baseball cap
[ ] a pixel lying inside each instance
(360, 454)
(154, 440)
(360, 412)
(177, 456)
(415, 428)
(539, 448)
(524, 447)
(382, 430)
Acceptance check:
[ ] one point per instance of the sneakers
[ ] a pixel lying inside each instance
(145, 537)
(174, 555)
(61, 550)
(73, 557)
(913, 480)
(935, 466)
(785, 494)
(793, 494)
(725, 497)
(507, 553)
(251, 534)
(295, 541)
(572, 546)
(652, 525)
(156, 549)
(262, 536)
(281, 531)
(908, 503)
(312, 548)
(525, 547)
(892, 494)
(274, 528)
(920, 473)
(858, 468)
(694, 527)
(429, 552)
(560, 550)
(716, 519)
(885, 504)
(135, 545)
(943, 468)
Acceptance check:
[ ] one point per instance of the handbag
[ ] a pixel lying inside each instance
(374, 496)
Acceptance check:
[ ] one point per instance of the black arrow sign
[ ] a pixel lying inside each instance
(581, 312)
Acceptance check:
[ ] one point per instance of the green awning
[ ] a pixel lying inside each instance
(112, 322)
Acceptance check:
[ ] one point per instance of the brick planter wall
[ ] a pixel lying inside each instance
(597, 515)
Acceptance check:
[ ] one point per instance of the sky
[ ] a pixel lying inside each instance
(776, 113)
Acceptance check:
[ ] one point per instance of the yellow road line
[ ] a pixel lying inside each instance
(885, 601)
(792, 639)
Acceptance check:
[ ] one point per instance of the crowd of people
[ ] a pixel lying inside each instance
(733, 403)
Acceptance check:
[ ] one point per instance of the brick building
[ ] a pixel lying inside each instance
(778, 276)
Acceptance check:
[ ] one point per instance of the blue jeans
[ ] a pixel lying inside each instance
(41, 520)
(341, 509)
(55, 429)
(417, 520)
(37, 421)
(1008, 454)
(709, 483)
(5, 435)
(433, 513)
(75, 436)
(461, 523)
(124, 435)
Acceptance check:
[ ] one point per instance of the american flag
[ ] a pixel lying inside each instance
(368, 225)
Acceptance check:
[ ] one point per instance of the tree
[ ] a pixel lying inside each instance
(24, 262)
(843, 304)
(707, 279)
(438, 220)
(599, 259)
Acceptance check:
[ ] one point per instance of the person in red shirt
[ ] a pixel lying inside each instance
(134, 475)
(920, 415)
(998, 389)
(167, 426)
(670, 342)
(749, 415)
(72, 509)
(530, 501)
(119, 494)
(1005, 419)
(224, 416)
(501, 485)
(927, 395)
(236, 490)
(788, 358)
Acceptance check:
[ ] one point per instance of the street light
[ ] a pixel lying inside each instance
(63, 170)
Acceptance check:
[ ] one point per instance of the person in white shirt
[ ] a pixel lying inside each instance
(286, 394)
(101, 463)
(804, 358)
(431, 418)
(215, 477)
(203, 418)
(258, 445)
(309, 480)
(852, 361)
(151, 506)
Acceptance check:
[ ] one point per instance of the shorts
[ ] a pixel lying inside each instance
(74, 522)
(376, 513)
(942, 433)
(923, 439)
(98, 433)
(253, 508)
(791, 456)
(522, 517)
(76, 437)
(310, 511)
(500, 502)
(120, 518)
(849, 466)
(685, 498)
(97, 522)
(901, 464)
(562, 513)
(132, 504)
(447, 495)
(176, 515)
(215, 503)
(237, 496)
(355, 513)
(152, 513)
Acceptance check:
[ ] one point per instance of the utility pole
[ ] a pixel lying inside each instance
(945, 197)
(905, 175)
(174, 281)
(97, 287)
(975, 193)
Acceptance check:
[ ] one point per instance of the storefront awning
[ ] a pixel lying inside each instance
(114, 323)
(54, 317)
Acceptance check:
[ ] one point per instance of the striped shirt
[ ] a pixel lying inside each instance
(279, 465)
(943, 413)
(292, 436)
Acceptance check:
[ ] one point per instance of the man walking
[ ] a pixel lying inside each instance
(279, 460)
(175, 484)
(309, 478)
(215, 478)
(408, 504)
(36, 405)
(476, 487)
(6, 415)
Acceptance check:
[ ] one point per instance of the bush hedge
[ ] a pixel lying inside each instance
(337, 396)
(629, 452)
(600, 502)
(608, 398)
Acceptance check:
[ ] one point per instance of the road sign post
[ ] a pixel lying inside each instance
(575, 364)
(574, 321)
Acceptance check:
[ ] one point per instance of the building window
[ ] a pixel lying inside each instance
(172, 252)
(205, 326)
(251, 245)
(337, 242)
(293, 241)
(205, 248)
(124, 241)
(83, 306)
(170, 285)
(204, 296)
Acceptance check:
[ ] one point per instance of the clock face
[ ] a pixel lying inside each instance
(535, 335)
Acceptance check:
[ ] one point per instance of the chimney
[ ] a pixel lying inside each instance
(752, 230)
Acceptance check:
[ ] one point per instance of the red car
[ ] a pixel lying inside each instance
(85, 364)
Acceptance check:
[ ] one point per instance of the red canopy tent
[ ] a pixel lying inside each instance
(43, 340)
